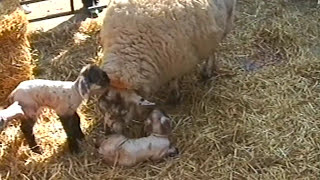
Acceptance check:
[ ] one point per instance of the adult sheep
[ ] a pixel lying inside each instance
(148, 43)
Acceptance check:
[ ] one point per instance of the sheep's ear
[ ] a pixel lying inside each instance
(84, 88)
(144, 102)
(138, 100)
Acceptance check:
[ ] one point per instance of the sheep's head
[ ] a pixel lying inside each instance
(92, 81)
(158, 123)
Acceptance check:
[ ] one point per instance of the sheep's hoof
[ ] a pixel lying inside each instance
(205, 76)
(175, 98)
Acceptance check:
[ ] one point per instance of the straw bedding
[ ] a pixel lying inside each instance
(15, 56)
(260, 123)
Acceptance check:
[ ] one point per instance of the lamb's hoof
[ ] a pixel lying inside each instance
(173, 152)
(37, 150)
(2, 124)
(80, 136)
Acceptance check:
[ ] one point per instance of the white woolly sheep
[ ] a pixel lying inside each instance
(148, 43)
(119, 150)
(62, 96)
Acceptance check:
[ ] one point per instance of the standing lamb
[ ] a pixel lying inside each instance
(119, 150)
(62, 96)
(149, 43)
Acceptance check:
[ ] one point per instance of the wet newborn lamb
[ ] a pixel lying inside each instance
(62, 96)
(119, 150)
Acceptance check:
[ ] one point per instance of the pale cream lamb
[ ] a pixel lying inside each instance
(119, 150)
(62, 96)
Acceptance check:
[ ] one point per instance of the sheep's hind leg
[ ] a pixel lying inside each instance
(208, 68)
(27, 130)
(71, 125)
(175, 95)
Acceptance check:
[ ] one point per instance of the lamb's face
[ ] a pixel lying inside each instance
(158, 123)
(93, 81)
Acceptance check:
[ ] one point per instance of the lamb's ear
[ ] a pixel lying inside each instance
(165, 125)
(84, 88)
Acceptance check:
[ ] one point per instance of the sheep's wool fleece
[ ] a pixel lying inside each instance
(148, 42)
(58, 95)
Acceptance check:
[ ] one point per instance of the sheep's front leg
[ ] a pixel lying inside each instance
(27, 130)
(208, 68)
(71, 125)
(175, 95)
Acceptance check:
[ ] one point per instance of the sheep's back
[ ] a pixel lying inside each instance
(149, 42)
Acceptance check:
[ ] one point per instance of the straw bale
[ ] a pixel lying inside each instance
(15, 56)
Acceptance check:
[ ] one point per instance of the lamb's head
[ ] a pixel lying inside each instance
(111, 102)
(113, 108)
(92, 81)
(158, 123)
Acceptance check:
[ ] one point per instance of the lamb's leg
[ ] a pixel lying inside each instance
(130, 114)
(78, 132)
(175, 95)
(71, 125)
(27, 130)
(210, 68)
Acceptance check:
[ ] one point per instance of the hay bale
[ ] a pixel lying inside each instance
(15, 56)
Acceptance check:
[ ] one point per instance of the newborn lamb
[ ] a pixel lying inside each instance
(62, 96)
(119, 150)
